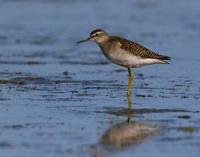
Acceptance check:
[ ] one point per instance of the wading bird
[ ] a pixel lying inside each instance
(125, 53)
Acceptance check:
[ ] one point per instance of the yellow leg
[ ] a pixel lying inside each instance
(129, 102)
(130, 82)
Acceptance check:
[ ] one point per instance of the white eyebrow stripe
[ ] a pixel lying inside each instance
(94, 34)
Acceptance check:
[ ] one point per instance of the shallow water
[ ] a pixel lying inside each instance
(60, 99)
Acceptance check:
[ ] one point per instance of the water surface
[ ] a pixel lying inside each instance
(60, 99)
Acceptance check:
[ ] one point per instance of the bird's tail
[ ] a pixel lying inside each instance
(163, 62)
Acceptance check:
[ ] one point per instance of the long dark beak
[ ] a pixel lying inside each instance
(83, 40)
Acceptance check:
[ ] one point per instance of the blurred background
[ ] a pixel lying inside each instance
(58, 98)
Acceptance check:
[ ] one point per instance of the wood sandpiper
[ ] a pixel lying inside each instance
(125, 53)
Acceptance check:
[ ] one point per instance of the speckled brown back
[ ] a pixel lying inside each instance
(137, 49)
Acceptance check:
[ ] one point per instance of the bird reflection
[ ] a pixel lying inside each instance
(123, 134)
(129, 113)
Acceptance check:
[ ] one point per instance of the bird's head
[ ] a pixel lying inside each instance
(97, 35)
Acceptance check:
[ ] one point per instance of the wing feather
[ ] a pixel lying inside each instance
(137, 49)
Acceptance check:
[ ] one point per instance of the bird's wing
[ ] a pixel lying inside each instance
(137, 49)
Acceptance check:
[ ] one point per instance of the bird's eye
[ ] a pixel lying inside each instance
(96, 34)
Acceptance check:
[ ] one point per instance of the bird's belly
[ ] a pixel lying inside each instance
(123, 58)
(127, 59)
